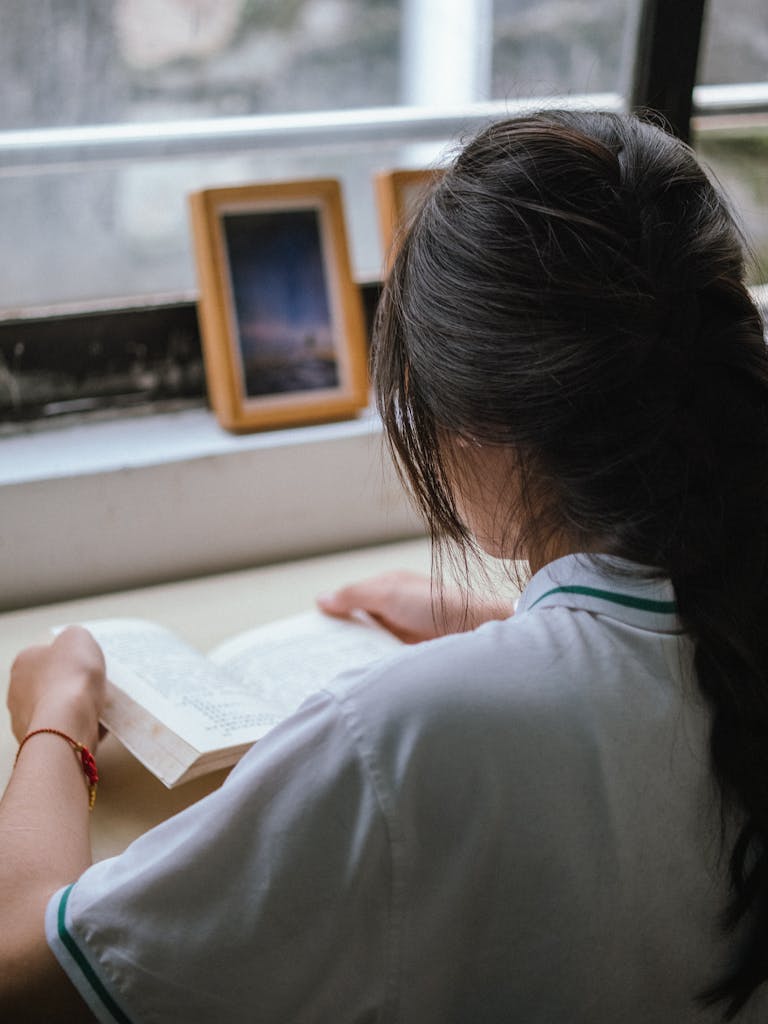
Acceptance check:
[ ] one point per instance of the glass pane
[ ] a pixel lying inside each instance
(738, 156)
(106, 229)
(734, 42)
(541, 47)
(76, 62)
(121, 229)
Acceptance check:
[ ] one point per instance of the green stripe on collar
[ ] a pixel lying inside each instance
(643, 603)
(88, 972)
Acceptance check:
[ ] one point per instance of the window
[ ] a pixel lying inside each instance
(735, 146)
(734, 46)
(114, 109)
(560, 47)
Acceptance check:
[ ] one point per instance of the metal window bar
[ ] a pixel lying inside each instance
(666, 56)
(36, 147)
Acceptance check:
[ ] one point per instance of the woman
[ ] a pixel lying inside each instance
(559, 815)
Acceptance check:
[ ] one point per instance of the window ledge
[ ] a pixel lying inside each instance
(154, 440)
(126, 503)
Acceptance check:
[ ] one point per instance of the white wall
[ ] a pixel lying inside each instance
(124, 504)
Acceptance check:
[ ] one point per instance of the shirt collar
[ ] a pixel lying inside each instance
(615, 587)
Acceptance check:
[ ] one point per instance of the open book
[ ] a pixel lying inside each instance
(183, 714)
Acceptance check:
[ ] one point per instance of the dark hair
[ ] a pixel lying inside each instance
(572, 289)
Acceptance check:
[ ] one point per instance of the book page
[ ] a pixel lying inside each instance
(246, 685)
(282, 663)
(177, 685)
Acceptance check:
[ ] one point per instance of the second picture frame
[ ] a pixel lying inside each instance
(398, 194)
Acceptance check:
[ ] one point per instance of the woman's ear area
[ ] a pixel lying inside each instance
(484, 482)
(509, 505)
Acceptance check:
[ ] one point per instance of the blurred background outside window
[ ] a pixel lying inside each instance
(82, 223)
(735, 50)
(101, 99)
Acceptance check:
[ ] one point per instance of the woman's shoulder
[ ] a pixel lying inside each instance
(542, 660)
(588, 659)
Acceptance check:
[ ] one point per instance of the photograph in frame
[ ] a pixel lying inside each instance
(281, 317)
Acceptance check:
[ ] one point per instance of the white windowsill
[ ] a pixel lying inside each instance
(108, 446)
(126, 503)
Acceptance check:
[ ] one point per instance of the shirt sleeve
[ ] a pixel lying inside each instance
(269, 900)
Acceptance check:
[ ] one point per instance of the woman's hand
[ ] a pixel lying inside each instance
(403, 602)
(44, 819)
(59, 685)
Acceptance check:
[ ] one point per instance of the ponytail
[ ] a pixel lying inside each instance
(719, 570)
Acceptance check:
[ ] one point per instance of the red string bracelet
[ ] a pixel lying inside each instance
(86, 759)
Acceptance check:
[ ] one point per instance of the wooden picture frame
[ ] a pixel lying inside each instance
(280, 316)
(398, 194)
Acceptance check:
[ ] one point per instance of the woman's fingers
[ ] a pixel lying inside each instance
(64, 676)
(400, 601)
(406, 604)
(375, 595)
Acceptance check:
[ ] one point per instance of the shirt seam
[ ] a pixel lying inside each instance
(354, 728)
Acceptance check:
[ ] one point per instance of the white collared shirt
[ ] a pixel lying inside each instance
(514, 824)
